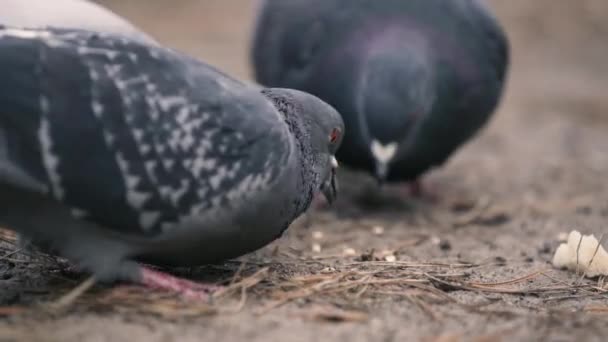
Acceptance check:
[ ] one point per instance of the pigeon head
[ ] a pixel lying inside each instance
(318, 130)
(395, 89)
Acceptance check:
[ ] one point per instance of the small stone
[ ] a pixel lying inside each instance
(367, 256)
(390, 258)
(317, 235)
(349, 252)
(445, 245)
(546, 248)
(328, 269)
(316, 248)
(378, 230)
(435, 240)
(500, 260)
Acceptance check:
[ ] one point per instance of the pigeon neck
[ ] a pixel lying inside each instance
(396, 89)
(299, 128)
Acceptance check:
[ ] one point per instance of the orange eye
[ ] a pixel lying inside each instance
(334, 135)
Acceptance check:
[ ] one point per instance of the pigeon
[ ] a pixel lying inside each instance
(75, 14)
(412, 79)
(115, 153)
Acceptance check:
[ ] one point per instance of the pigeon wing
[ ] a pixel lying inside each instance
(134, 137)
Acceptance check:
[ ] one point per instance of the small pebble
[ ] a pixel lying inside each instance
(390, 258)
(378, 230)
(349, 252)
(316, 248)
(545, 248)
(500, 260)
(445, 245)
(435, 240)
(367, 256)
(317, 235)
(328, 270)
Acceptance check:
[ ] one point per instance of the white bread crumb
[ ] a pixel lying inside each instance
(588, 261)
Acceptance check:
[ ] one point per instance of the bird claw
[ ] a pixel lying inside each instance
(417, 189)
(320, 203)
(185, 288)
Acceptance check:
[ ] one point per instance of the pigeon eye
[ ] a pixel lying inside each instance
(334, 136)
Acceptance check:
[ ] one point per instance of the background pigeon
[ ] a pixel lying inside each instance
(412, 79)
(75, 14)
(113, 151)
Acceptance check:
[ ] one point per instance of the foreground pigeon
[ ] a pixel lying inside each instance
(413, 79)
(75, 14)
(113, 152)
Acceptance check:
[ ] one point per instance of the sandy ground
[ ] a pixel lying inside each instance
(473, 266)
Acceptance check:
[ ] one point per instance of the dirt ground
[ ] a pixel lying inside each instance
(475, 265)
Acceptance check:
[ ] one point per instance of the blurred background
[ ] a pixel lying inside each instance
(542, 31)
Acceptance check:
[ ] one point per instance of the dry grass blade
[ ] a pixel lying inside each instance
(509, 282)
(245, 283)
(6, 256)
(588, 289)
(173, 309)
(335, 315)
(69, 298)
(569, 297)
(492, 289)
(330, 282)
(238, 273)
(597, 248)
(597, 309)
(424, 307)
(578, 249)
(410, 264)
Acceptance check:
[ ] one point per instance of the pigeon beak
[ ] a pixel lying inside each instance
(381, 172)
(330, 187)
(383, 154)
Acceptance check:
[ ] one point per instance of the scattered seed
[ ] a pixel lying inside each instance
(378, 230)
(328, 269)
(316, 248)
(435, 240)
(390, 258)
(349, 252)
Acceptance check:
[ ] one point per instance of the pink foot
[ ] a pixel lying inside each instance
(417, 189)
(185, 288)
(319, 203)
